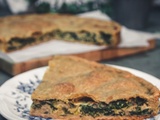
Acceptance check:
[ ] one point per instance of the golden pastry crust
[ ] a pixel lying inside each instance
(17, 32)
(71, 79)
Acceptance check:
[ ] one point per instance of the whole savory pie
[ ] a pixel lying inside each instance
(17, 32)
(77, 89)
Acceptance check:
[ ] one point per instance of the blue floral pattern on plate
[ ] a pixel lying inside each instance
(27, 88)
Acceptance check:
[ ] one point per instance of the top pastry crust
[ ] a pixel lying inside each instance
(71, 77)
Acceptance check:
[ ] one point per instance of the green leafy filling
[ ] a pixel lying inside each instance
(16, 43)
(94, 109)
(39, 104)
(106, 37)
(85, 36)
(116, 108)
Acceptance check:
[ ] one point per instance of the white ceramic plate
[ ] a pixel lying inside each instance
(15, 93)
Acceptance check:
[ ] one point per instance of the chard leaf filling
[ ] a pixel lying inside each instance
(16, 43)
(83, 35)
(133, 106)
(102, 38)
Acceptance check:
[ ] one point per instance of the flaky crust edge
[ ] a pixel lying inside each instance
(91, 118)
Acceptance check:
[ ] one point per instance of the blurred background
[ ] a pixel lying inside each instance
(135, 14)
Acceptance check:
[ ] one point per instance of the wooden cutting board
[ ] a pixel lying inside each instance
(105, 54)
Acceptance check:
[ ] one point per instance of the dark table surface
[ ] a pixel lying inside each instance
(148, 62)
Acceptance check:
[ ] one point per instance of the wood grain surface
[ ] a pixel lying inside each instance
(105, 54)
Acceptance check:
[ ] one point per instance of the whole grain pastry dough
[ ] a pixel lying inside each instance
(76, 89)
(20, 31)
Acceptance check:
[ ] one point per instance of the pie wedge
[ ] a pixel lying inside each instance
(17, 32)
(76, 89)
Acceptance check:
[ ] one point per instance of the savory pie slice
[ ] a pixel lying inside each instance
(20, 31)
(77, 89)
